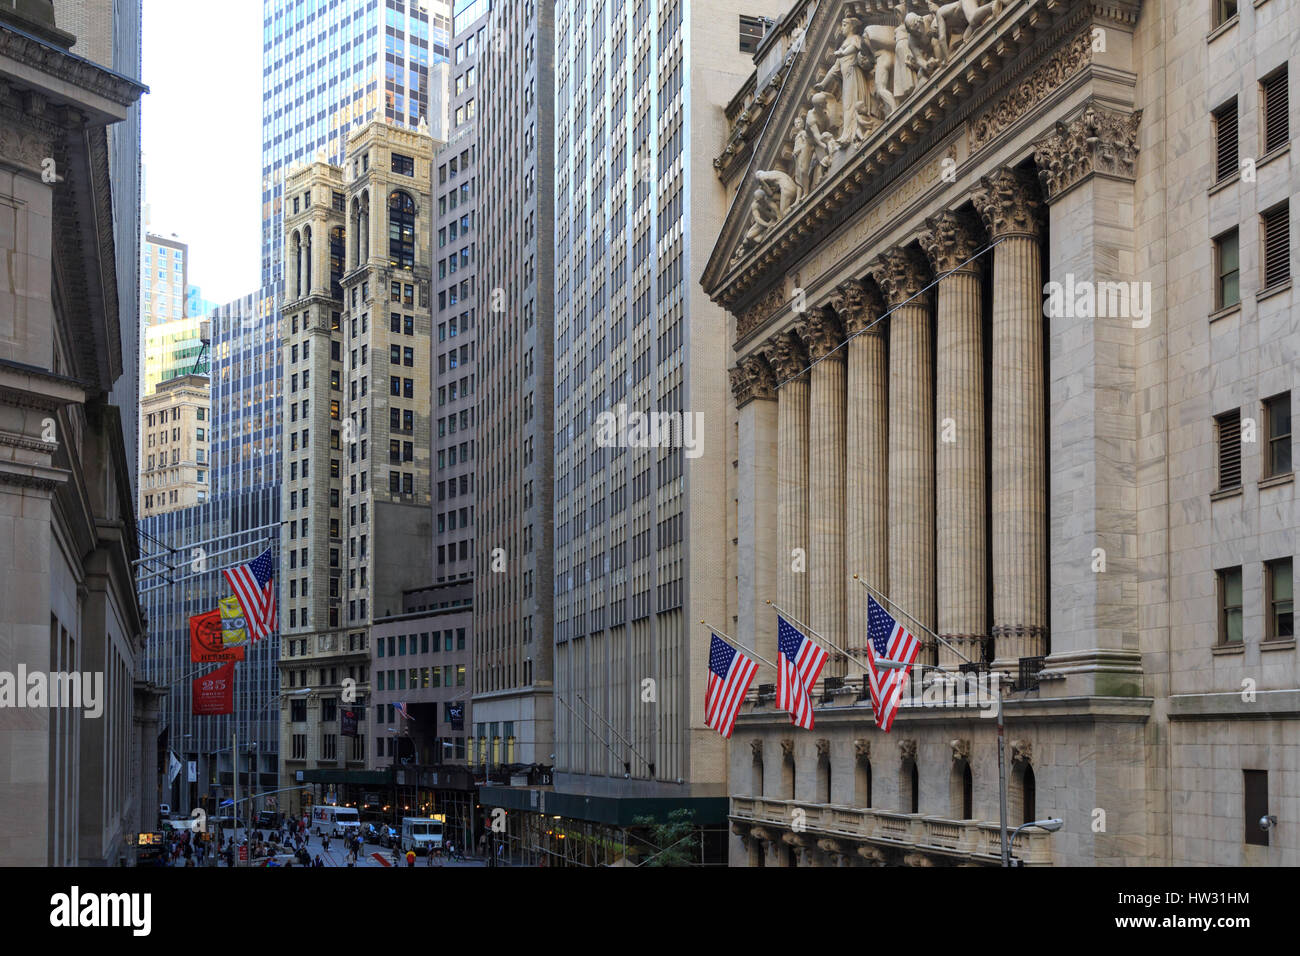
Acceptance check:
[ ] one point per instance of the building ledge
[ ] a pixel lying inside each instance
(1257, 705)
(882, 836)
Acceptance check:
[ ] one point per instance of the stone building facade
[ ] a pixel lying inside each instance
(355, 494)
(1010, 292)
(175, 422)
(70, 789)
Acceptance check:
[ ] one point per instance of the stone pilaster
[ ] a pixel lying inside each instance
(790, 364)
(753, 385)
(960, 494)
(866, 543)
(1008, 202)
(823, 339)
(901, 274)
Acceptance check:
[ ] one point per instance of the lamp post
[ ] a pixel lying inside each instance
(234, 740)
(1051, 826)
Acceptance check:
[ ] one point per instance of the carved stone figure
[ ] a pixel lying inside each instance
(780, 186)
(762, 217)
(847, 76)
(801, 148)
(957, 21)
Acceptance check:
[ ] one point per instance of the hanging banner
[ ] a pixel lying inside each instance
(234, 629)
(206, 641)
(214, 694)
(348, 723)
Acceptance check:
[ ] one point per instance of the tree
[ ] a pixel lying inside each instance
(674, 843)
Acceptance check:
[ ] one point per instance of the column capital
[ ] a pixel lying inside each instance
(858, 304)
(751, 379)
(950, 240)
(1098, 140)
(786, 356)
(1010, 204)
(901, 273)
(822, 335)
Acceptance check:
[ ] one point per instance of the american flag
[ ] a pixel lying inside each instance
(255, 589)
(887, 641)
(799, 661)
(400, 707)
(730, 674)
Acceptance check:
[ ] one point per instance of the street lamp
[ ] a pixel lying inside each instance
(1050, 825)
(234, 746)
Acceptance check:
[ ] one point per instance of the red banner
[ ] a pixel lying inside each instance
(206, 645)
(214, 693)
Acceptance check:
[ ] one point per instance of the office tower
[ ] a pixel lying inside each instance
(512, 474)
(640, 526)
(240, 519)
(329, 68)
(175, 421)
(356, 380)
(71, 788)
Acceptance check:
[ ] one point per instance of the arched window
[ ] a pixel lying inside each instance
(961, 790)
(824, 778)
(909, 787)
(1030, 796)
(336, 262)
(307, 261)
(296, 262)
(862, 783)
(401, 230)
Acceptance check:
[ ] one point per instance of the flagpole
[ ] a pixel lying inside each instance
(919, 625)
(725, 636)
(1002, 772)
(649, 763)
(818, 637)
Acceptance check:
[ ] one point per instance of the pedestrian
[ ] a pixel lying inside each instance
(319, 861)
(410, 857)
(428, 857)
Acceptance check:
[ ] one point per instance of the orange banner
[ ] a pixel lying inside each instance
(206, 644)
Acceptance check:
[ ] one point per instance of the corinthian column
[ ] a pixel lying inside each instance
(754, 387)
(788, 361)
(1008, 202)
(866, 541)
(823, 338)
(960, 499)
(901, 274)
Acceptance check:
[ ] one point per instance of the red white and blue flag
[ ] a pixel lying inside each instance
(887, 640)
(730, 674)
(254, 586)
(400, 707)
(799, 662)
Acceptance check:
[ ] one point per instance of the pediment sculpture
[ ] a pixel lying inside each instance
(880, 56)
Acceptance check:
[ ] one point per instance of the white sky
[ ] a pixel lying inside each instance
(202, 137)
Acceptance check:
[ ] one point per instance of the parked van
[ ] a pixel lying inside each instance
(421, 834)
(334, 821)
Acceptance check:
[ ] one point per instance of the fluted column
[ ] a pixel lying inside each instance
(826, 434)
(1009, 203)
(866, 540)
(788, 360)
(901, 274)
(753, 386)
(960, 495)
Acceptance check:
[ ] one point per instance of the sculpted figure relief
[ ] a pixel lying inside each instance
(873, 67)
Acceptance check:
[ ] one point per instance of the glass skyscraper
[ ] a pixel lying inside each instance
(330, 66)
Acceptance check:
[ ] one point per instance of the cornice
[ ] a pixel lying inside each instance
(75, 70)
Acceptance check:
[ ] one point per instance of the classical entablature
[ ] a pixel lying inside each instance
(880, 103)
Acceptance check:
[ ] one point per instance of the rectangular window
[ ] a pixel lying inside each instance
(751, 32)
(1228, 427)
(1279, 587)
(403, 165)
(1277, 424)
(1227, 265)
(1255, 791)
(1276, 225)
(1230, 606)
(1277, 128)
(1224, 10)
(1225, 140)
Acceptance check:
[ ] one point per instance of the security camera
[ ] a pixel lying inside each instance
(1267, 823)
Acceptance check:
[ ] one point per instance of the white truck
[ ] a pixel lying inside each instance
(334, 821)
(421, 834)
